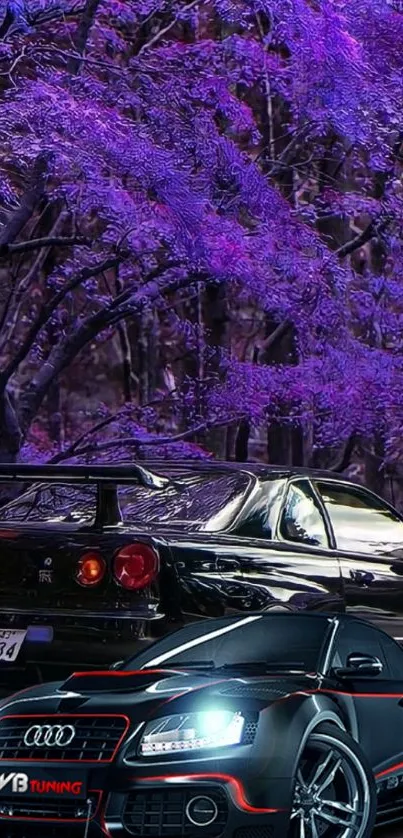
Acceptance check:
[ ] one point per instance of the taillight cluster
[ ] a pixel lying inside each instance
(134, 567)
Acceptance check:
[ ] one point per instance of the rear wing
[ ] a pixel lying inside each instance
(106, 478)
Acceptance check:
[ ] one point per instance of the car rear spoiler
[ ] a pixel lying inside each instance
(106, 478)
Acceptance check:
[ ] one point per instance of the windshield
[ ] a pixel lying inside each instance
(281, 639)
(200, 501)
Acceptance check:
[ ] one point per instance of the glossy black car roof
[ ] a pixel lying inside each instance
(147, 471)
(262, 470)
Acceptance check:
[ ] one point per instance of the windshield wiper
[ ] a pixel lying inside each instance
(265, 666)
(192, 665)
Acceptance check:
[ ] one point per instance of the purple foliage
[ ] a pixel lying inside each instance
(161, 141)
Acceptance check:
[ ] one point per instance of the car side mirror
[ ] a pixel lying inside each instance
(360, 665)
(116, 665)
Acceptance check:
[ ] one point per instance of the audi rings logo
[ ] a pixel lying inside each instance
(49, 736)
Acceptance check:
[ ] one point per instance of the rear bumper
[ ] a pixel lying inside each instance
(76, 640)
(143, 611)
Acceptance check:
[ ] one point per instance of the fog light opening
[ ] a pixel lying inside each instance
(201, 811)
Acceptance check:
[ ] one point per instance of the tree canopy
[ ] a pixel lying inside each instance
(224, 174)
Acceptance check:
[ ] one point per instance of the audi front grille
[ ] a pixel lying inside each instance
(62, 738)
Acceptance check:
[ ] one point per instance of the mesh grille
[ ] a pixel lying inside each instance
(254, 832)
(96, 738)
(256, 691)
(162, 813)
(48, 810)
(249, 732)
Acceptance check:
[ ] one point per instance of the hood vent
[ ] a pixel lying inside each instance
(264, 691)
(112, 681)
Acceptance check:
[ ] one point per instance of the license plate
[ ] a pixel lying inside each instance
(11, 641)
(43, 783)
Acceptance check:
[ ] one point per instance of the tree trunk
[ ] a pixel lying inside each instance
(54, 418)
(242, 442)
(215, 317)
(10, 432)
(83, 33)
(285, 444)
(10, 444)
(374, 473)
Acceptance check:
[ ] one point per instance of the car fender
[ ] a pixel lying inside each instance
(284, 728)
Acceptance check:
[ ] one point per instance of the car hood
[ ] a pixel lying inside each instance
(141, 694)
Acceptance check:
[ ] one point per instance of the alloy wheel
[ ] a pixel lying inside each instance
(332, 795)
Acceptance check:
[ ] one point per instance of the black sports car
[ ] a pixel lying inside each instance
(261, 726)
(95, 558)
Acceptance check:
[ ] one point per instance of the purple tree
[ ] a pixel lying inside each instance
(227, 172)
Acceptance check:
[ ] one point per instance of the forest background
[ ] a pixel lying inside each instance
(201, 232)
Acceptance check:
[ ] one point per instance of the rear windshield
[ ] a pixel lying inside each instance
(203, 502)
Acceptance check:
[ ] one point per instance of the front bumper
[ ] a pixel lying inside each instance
(156, 806)
(162, 809)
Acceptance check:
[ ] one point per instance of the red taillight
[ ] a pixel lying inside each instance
(91, 569)
(135, 566)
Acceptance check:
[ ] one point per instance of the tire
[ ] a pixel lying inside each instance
(334, 792)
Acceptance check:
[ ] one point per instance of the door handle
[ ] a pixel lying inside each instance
(228, 565)
(361, 577)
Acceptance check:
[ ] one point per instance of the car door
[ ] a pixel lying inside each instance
(368, 535)
(378, 701)
(283, 552)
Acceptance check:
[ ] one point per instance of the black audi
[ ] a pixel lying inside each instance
(260, 726)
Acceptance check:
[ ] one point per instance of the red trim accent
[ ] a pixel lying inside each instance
(365, 695)
(237, 789)
(350, 695)
(389, 770)
(70, 716)
(102, 823)
(58, 820)
(8, 534)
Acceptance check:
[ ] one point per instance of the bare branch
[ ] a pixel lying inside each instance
(273, 338)
(46, 241)
(133, 441)
(104, 423)
(49, 309)
(30, 199)
(357, 242)
(21, 288)
(167, 28)
(128, 304)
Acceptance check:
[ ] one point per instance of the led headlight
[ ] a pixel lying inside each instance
(192, 732)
